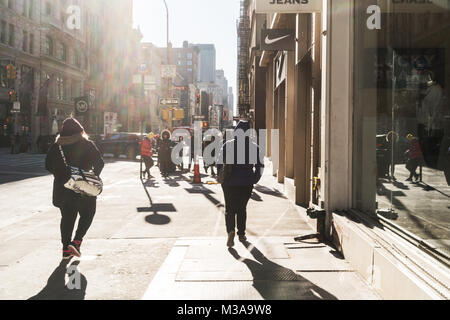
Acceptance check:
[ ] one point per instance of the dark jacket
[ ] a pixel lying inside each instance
(250, 172)
(165, 150)
(80, 153)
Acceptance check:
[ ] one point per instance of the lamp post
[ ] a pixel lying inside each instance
(168, 49)
(169, 80)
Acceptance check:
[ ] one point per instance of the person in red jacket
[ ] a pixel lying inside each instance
(146, 153)
(415, 157)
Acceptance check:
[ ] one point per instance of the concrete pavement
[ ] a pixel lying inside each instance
(169, 234)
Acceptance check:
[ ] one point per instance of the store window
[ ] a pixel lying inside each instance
(402, 115)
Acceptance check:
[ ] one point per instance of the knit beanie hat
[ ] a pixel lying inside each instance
(71, 127)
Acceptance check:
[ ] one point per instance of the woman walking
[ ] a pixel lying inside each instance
(237, 179)
(81, 153)
(147, 153)
(209, 163)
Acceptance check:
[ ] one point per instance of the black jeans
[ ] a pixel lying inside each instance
(85, 206)
(412, 165)
(236, 200)
(148, 161)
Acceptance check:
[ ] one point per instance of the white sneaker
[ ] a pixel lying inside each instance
(230, 242)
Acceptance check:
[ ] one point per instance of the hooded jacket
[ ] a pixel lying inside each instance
(165, 147)
(250, 172)
(79, 152)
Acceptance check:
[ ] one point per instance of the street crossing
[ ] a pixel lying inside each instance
(21, 160)
(16, 167)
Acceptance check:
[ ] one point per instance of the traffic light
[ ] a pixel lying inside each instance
(12, 96)
(205, 124)
(179, 114)
(198, 99)
(165, 115)
(11, 71)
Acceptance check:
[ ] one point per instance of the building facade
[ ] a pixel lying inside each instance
(206, 63)
(63, 52)
(151, 57)
(357, 101)
(19, 46)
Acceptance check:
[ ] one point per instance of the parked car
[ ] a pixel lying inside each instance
(121, 144)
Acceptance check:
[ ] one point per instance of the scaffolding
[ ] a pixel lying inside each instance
(243, 30)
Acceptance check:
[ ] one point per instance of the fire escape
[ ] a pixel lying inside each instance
(243, 29)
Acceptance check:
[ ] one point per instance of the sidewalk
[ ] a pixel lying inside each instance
(271, 265)
(166, 241)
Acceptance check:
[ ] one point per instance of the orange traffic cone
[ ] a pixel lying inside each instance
(197, 177)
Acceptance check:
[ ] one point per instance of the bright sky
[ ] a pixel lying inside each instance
(197, 21)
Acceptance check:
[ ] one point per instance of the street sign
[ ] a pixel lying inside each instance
(92, 96)
(81, 105)
(16, 107)
(168, 71)
(169, 101)
(283, 6)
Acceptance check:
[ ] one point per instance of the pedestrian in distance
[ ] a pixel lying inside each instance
(206, 142)
(164, 154)
(80, 153)
(237, 179)
(414, 157)
(146, 154)
(192, 154)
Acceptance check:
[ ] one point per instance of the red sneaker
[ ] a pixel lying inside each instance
(74, 248)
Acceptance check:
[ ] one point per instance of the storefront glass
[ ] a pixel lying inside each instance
(402, 115)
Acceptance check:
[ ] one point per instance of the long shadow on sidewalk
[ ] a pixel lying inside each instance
(155, 208)
(207, 193)
(57, 289)
(274, 282)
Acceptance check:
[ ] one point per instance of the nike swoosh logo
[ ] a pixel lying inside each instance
(271, 41)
